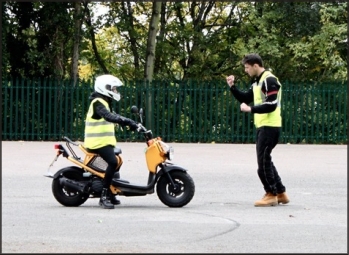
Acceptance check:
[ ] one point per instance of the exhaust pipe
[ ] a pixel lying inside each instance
(78, 186)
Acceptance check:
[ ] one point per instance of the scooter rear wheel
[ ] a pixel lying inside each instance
(65, 195)
(178, 195)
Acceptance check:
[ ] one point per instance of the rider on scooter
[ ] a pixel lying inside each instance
(100, 130)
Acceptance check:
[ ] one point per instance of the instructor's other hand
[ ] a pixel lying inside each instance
(245, 108)
(230, 80)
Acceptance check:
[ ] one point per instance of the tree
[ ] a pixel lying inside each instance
(323, 55)
(150, 57)
(195, 40)
(38, 36)
(77, 31)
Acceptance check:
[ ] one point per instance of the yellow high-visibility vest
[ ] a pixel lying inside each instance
(272, 119)
(98, 133)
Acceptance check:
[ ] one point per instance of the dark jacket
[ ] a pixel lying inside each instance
(100, 111)
(270, 90)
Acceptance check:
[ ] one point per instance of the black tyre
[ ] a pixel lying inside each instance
(177, 196)
(66, 195)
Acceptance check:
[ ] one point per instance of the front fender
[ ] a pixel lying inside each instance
(167, 167)
(68, 169)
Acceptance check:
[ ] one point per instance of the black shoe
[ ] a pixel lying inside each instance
(104, 201)
(114, 200)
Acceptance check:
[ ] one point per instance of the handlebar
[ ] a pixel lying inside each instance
(148, 135)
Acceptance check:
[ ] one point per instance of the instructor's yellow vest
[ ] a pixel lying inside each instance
(98, 133)
(272, 119)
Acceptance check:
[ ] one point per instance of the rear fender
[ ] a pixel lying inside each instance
(68, 169)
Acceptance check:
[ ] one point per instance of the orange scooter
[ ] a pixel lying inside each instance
(73, 185)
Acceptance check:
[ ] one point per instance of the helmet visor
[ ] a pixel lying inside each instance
(115, 94)
(110, 88)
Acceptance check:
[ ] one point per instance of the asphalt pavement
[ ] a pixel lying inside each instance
(221, 217)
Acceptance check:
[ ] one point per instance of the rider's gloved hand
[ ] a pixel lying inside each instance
(134, 126)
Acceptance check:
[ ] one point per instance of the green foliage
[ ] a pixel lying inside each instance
(38, 38)
(300, 41)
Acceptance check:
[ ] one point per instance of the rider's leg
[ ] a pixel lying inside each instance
(107, 153)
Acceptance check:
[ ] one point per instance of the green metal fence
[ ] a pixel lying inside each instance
(185, 111)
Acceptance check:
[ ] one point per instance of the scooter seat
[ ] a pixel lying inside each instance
(117, 150)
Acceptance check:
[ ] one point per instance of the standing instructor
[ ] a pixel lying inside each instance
(265, 93)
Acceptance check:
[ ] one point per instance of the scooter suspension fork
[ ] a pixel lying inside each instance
(174, 186)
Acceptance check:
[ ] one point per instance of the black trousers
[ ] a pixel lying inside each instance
(266, 140)
(107, 153)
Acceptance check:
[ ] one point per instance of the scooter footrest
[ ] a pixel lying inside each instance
(121, 180)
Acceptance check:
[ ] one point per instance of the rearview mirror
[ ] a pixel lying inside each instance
(134, 109)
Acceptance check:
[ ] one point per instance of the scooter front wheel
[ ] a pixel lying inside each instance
(179, 194)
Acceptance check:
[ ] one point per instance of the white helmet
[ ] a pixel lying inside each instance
(107, 85)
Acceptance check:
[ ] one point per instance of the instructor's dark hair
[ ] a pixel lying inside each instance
(252, 59)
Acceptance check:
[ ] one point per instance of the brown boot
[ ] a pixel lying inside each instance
(268, 200)
(283, 198)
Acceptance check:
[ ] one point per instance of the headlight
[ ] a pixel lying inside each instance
(168, 150)
(170, 153)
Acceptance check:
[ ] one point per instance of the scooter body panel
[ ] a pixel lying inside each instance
(132, 189)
